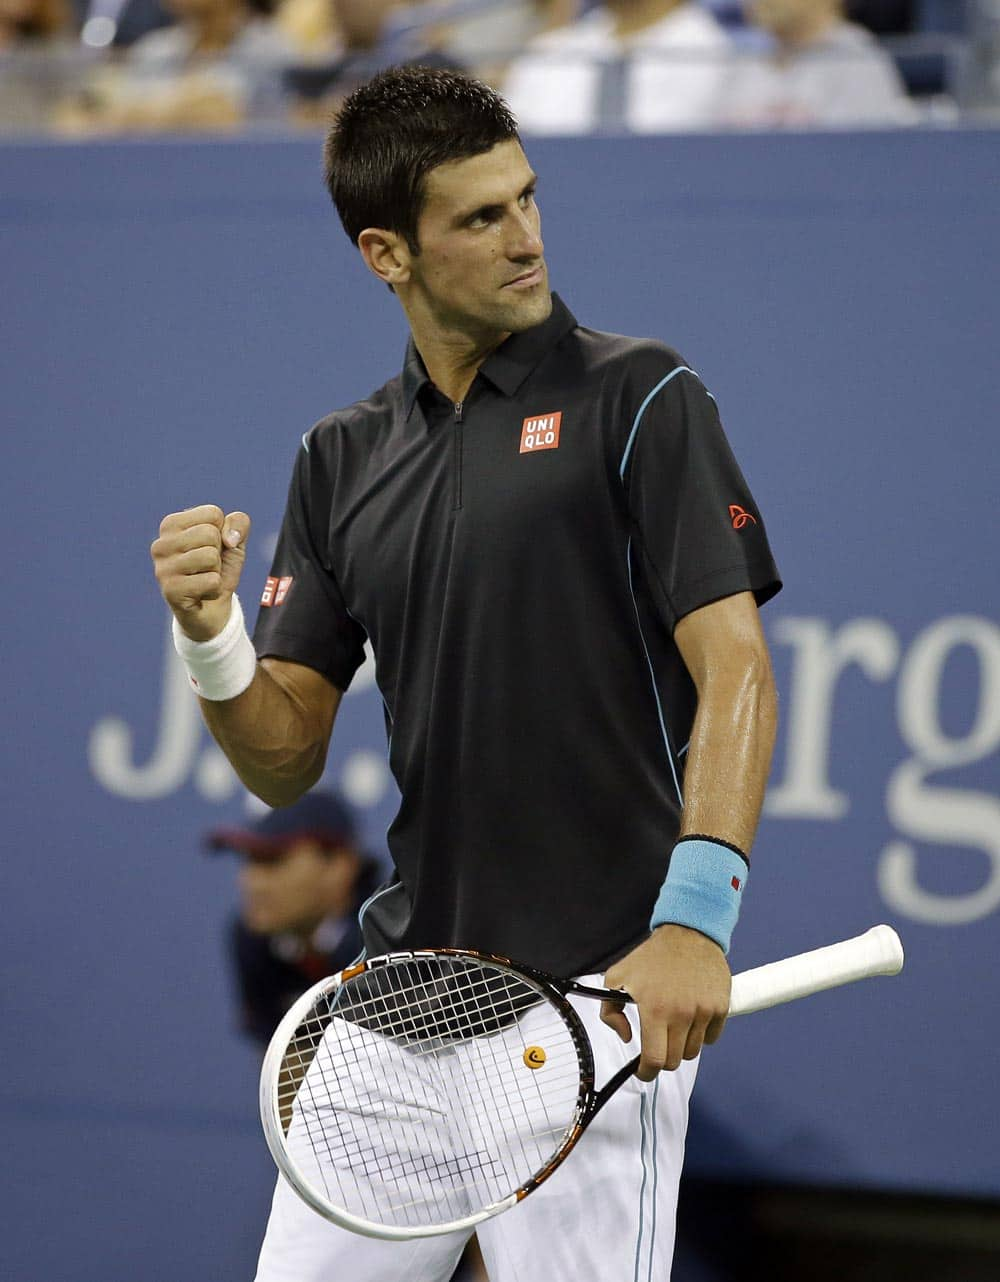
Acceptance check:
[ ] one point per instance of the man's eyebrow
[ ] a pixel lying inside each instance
(493, 207)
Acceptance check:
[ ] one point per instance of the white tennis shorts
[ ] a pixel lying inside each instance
(606, 1215)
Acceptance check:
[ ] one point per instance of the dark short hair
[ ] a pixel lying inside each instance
(393, 130)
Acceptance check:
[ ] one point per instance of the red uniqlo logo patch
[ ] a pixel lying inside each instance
(275, 590)
(736, 883)
(540, 433)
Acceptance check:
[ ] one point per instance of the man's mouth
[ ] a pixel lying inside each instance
(527, 279)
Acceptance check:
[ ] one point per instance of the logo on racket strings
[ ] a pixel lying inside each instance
(534, 1056)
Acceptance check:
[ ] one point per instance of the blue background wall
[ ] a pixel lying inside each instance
(173, 317)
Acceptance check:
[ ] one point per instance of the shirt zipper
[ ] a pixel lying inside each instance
(459, 419)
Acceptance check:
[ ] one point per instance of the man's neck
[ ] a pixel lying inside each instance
(452, 359)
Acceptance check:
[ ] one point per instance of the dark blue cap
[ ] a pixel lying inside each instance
(321, 817)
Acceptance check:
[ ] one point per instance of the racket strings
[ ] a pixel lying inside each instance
(415, 1099)
(414, 1173)
(441, 1001)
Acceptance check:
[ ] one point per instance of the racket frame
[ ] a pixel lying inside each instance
(589, 1101)
(876, 952)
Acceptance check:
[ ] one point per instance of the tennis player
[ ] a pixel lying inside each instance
(544, 534)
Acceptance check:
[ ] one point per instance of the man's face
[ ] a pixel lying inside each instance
(285, 893)
(481, 270)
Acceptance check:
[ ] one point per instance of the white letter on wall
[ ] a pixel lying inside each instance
(946, 816)
(110, 748)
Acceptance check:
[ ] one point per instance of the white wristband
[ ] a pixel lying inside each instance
(223, 667)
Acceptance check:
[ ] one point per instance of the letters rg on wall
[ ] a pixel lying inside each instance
(920, 809)
(923, 811)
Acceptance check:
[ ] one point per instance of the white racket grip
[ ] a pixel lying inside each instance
(877, 952)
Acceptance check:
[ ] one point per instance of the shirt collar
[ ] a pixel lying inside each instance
(507, 367)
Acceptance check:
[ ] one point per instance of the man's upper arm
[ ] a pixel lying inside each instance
(304, 619)
(697, 528)
(724, 638)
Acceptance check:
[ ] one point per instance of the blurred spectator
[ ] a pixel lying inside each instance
(318, 85)
(137, 19)
(40, 61)
(361, 21)
(311, 27)
(646, 65)
(820, 70)
(317, 88)
(32, 22)
(303, 878)
(216, 67)
(988, 27)
(949, 15)
(488, 38)
(884, 17)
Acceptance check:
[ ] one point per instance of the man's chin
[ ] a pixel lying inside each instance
(530, 310)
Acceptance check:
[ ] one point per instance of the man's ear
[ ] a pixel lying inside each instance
(386, 255)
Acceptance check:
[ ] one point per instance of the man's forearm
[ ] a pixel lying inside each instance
(273, 741)
(678, 977)
(729, 756)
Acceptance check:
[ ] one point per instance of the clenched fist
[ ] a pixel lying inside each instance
(198, 560)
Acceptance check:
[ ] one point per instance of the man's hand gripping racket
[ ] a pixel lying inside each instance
(422, 1092)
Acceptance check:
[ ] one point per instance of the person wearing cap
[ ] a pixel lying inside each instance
(303, 878)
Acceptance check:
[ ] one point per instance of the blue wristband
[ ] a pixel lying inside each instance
(703, 888)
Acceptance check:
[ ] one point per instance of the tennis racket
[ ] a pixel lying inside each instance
(422, 1092)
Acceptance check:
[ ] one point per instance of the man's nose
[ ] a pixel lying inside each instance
(526, 236)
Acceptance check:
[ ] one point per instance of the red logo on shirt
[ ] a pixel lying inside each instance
(735, 883)
(275, 590)
(540, 433)
(740, 517)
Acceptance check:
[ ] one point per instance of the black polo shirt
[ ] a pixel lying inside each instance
(519, 563)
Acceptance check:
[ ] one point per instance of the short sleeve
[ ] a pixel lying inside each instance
(700, 532)
(302, 612)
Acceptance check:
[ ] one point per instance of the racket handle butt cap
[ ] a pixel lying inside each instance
(890, 947)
